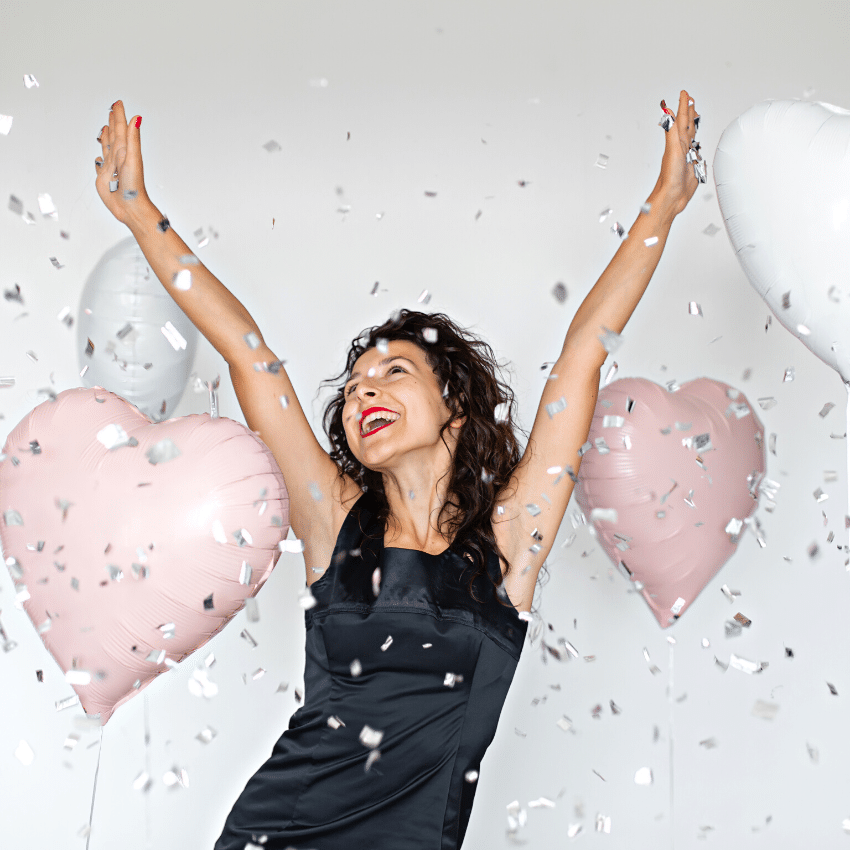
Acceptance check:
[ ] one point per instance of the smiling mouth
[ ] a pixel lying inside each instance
(374, 420)
(375, 426)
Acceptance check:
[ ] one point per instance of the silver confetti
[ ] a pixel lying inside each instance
(356, 668)
(30, 81)
(46, 206)
(376, 582)
(387, 643)
(653, 240)
(113, 436)
(12, 517)
(252, 340)
(24, 753)
(603, 515)
(248, 638)
(736, 662)
(825, 409)
(272, 146)
(205, 736)
(694, 309)
(243, 537)
(306, 599)
(618, 229)
(711, 230)
(5, 124)
(602, 161)
(643, 776)
(182, 280)
(560, 292)
(652, 667)
(429, 334)
(334, 722)
(556, 407)
(178, 343)
(162, 452)
(370, 737)
(789, 374)
(471, 776)
(610, 340)
(765, 710)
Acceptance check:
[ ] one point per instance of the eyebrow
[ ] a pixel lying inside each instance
(382, 363)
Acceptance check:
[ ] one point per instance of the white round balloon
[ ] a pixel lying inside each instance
(131, 334)
(782, 171)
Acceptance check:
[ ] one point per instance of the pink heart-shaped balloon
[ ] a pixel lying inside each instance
(132, 543)
(681, 472)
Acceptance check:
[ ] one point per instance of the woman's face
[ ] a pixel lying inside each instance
(394, 406)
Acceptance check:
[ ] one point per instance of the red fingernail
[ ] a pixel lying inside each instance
(138, 122)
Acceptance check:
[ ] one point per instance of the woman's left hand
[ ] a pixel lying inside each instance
(677, 181)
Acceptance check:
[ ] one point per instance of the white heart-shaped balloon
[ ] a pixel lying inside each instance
(782, 171)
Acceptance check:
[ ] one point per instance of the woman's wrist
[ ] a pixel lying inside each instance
(144, 217)
(662, 205)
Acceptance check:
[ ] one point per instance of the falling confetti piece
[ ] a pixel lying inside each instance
(653, 240)
(602, 161)
(162, 452)
(736, 662)
(643, 776)
(618, 229)
(272, 146)
(610, 340)
(370, 737)
(24, 753)
(387, 643)
(789, 374)
(604, 214)
(832, 689)
(182, 280)
(46, 206)
(178, 343)
(711, 230)
(5, 125)
(765, 710)
(560, 292)
(556, 407)
(694, 309)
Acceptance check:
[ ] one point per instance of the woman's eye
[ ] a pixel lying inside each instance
(396, 367)
(349, 390)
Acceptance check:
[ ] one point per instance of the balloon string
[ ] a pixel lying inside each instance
(148, 771)
(94, 787)
(670, 740)
(847, 447)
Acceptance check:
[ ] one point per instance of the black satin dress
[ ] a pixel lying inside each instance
(402, 697)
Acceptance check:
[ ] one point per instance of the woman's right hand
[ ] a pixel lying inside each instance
(120, 164)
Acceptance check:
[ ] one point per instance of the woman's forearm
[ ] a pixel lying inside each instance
(612, 300)
(211, 307)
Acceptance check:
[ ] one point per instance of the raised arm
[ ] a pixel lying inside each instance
(555, 440)
(267, 398)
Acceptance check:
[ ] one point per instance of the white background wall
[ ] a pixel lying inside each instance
(464, 99)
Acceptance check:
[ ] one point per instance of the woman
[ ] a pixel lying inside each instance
(424, 530)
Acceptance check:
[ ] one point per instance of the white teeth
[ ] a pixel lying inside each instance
(376, 414)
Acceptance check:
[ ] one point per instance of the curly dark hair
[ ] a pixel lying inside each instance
(487, 451)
